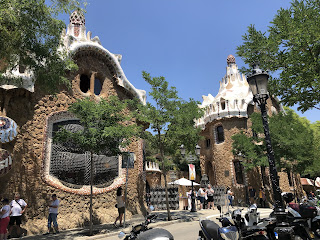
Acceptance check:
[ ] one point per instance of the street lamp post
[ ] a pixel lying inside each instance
(258, 82)
(191, 158)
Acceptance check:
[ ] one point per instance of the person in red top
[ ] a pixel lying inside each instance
(4, 218)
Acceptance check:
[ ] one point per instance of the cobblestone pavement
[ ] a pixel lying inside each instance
(106, 230)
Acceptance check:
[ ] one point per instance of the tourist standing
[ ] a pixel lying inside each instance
(189, 196)
(210, 193)
(53, 213)
(4, 219)
(18, 207)
(230, 196)
(201, 196)
(252, 194)
(262, 197)
(121, 207)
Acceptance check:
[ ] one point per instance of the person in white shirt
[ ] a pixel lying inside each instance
(4, 218)
(53, 213)
(18, 207)
(201, 195)
(189, 199)
(120, 206)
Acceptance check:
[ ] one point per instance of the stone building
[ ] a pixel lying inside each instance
(34, 166)
(227, 114)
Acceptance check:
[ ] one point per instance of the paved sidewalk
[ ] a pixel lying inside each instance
(106, 230)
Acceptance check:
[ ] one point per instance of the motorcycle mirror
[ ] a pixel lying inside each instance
(121, 235)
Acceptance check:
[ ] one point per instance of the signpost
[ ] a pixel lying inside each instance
(192, 178)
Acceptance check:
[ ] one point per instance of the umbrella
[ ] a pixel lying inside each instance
(183, 182)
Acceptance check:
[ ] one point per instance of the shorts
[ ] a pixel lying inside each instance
(210, 198)
(201, 199)
(15, 219)
(4, 224)
(121, 210)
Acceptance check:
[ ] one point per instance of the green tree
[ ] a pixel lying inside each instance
(292, 142)
(314, 169)
(291, 50)
(31, 38)
(171, 120)
(107, 128)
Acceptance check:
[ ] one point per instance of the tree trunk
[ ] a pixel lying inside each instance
(165, 175)
(91, 192)
(263, 175)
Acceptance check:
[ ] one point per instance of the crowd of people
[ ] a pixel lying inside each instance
(205, 196)
(11, 214)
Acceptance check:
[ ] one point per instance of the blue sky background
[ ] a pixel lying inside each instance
(186, 41)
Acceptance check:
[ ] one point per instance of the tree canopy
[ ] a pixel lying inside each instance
(292, 141)
(290, 50)
(171, 120)
(30, 38)
(314, 169)
(107, 126)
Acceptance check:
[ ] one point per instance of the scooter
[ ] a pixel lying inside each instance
(252, 231)
(252, 216)
(143, 232)
(211, 230)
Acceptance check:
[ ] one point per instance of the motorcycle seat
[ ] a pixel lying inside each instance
(210, 228)
(154, 233)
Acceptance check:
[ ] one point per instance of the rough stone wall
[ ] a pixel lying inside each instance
(220, 156)
(216, 160)
(154, 179)
(30, 111)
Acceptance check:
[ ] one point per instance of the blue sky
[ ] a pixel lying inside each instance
(186, 41)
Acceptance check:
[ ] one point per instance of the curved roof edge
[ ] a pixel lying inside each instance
(121, 77)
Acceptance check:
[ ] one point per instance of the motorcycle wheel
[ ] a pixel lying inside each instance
(316, 229)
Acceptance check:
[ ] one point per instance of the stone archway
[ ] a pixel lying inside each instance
(209, 169)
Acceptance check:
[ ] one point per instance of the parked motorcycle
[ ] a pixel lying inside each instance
(211, 230)
(143, 232)
(247, 226)
(302, 224)
(252, 216)
(306, 211)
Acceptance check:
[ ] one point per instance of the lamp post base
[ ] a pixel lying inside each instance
(193, 199)
(283, 229)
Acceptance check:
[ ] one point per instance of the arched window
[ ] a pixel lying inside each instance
(67, 167)
(97, 86)
(208, 142)
(219, 134)
(84, 83)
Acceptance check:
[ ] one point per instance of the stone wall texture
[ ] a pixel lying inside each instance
(217, 158)
(30, 111)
